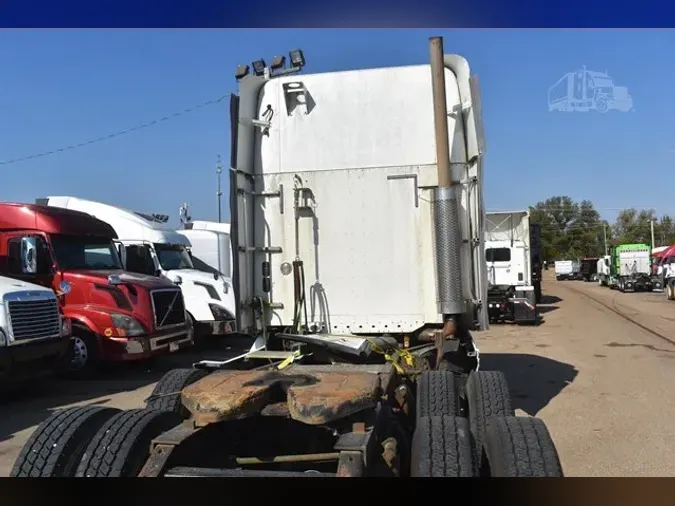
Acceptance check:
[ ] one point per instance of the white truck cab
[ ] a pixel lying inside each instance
(32, 331)
(210, 248)
(512, 295)
(148, 245)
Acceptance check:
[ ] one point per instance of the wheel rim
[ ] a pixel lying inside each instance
(80, 354)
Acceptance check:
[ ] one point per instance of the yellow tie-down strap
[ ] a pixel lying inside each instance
(394, 358)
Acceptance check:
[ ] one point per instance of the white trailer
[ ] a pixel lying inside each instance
(148, 245)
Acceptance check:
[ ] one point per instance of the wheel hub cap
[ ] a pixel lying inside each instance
(80, 354)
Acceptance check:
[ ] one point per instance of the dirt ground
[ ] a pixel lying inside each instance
(601, 383)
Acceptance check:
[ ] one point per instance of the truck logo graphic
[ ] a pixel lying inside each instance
(585, 90)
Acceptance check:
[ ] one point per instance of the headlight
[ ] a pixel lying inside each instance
(219, 313)
(3, 338)
(66, 327)
(126, 326)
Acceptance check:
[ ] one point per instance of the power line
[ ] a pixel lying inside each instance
(115, 134)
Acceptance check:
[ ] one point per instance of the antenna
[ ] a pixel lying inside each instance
(219, 193)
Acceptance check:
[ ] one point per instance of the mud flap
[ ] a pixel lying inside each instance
(524, 305)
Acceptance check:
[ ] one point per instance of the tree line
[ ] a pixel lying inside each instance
(572, 229)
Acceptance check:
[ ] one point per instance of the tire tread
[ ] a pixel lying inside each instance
(112, 450)
(45, 453)
(521, 447)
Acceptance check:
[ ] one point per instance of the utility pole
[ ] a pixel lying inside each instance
(219, 171)
(651, 222)
(604, 233)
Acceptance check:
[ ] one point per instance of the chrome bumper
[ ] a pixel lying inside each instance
(166, 342)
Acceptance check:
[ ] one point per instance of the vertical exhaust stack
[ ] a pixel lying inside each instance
(447, 227)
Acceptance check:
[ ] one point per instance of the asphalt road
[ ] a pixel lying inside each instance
(600, 382)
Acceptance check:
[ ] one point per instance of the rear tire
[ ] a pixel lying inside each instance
(57, 445)
(670, 293)
(487, 395)
(166, 394)
(436, 394)
(442, 447)
(518, 447)
(121, 447)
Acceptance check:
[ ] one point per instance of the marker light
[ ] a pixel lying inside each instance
(278, 62)
(297, 58)
(242, 71)
(259, 67)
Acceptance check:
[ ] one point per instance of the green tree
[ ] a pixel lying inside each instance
(568, 229)
(633, 226)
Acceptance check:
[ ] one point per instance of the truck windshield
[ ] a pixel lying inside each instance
(173, 256)
(76, 252)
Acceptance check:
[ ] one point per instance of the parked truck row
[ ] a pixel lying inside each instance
(359, 275)
(627, 268)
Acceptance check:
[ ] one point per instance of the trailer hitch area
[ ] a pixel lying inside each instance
(354, 446)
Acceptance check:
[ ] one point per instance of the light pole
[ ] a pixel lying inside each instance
(219, 193)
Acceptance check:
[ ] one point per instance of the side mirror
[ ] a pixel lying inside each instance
(29, 255)
(158, 273)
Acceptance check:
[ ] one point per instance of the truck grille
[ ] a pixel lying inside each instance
(34, 319)
(168, 307)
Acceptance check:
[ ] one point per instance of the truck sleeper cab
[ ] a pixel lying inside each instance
(116, 316)
(341, 223)
(211, 248)
(34, 334)
(150, 247)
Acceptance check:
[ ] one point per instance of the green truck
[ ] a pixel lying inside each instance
(629, 269)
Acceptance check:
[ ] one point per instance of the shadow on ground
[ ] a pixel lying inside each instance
(533, 380)
(550, 299)
(30, 405)
(547, 304)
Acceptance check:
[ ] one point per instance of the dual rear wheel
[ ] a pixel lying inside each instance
(489, 441)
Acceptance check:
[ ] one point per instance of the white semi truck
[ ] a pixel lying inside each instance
(358, 245)
(210, 246)
(512, 270)
(34, 334)
(149, 246)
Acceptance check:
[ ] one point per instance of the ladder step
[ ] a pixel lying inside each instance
(265, 354)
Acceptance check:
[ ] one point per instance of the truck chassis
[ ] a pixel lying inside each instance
(512, 304)
(422, 411)
(636, 283)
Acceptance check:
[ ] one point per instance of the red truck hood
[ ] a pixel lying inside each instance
(101, 276)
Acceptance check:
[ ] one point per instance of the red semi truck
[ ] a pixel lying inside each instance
(116, 315)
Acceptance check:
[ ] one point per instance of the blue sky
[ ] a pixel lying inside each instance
(62, 87)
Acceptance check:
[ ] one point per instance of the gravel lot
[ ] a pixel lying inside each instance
(600, 382)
